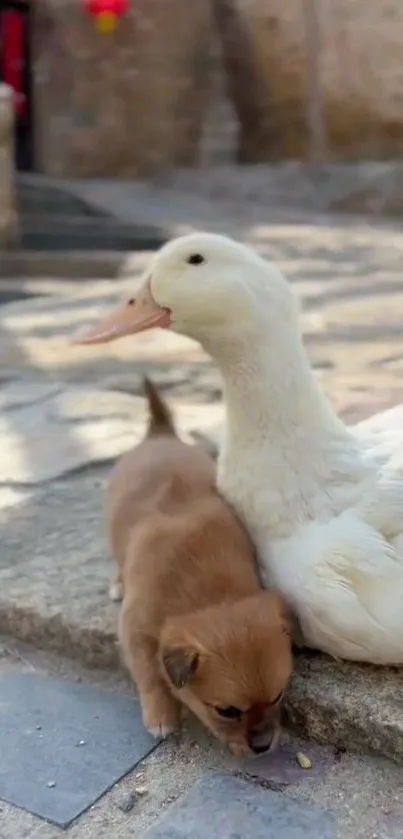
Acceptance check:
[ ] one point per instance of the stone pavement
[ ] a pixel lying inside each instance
(249, 191)
(183, 789)
(66, 412)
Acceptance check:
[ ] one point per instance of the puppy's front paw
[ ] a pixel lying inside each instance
(161, 716)
(116, 592)
(161, 731)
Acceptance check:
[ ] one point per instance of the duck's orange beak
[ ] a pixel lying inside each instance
(138, 314)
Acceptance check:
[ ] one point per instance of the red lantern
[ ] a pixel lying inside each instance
(106, 13)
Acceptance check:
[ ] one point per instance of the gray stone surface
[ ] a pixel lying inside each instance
(63, 264)
(230, 195)
(64, 744)
(350, 705)
(364, 794)
(46, 432)
(48, 437)
(280, 769)
(55, 569)
(220, 807)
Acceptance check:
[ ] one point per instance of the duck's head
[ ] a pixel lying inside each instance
(204, 286)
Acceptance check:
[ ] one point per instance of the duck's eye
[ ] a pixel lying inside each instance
(131, 302)
(230, 713)
(195, 259)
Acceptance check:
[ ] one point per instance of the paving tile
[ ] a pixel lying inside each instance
(281, 768)
(53, 433)
(20, 393)
(224, 807)
(65, 744)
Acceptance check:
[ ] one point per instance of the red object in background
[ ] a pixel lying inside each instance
(13, 37)
(106, 13)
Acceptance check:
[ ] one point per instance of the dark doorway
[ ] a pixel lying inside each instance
(15, 70)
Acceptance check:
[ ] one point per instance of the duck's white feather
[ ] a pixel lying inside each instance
(328, 525)
(345, 584)
(323, 502)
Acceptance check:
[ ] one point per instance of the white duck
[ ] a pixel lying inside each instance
(323, 502)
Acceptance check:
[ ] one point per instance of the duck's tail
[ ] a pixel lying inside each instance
(160, 420)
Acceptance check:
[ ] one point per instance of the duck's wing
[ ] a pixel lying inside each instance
(381, 439)
(351, 603)
(385, 421)
(380, 502)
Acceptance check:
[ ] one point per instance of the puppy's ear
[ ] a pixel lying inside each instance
(296, 635)
(180, 664)
(291, 625)
(288, 620)
(277, 608)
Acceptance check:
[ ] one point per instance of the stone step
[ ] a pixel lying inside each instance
(46, 232)
(34, 198)
(50, 219)
(79, 240)
(75, 221)
(64, 264)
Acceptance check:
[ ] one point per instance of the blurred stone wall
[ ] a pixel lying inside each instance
(362, 76)
(359, 74)
(7, 205)
(213, 81)
(126, 104)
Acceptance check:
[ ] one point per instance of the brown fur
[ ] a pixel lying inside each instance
(195, 625)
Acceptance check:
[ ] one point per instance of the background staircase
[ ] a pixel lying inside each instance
(53, 220)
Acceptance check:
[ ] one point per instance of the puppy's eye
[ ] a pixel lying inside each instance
(230, 713)
(195, 259)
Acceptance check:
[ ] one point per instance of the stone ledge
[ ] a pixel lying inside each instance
(342, 705)
(79, 265)
(54, 595)
(48, 432)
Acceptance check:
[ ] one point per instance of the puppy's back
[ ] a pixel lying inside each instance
(159, 474)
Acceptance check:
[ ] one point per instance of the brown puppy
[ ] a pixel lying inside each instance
(195, 625)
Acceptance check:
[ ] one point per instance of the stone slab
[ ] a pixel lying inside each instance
(280, 769)
(11, 497)
(46, 432)
(64, 744)
(62, 264)
(222, 807)
(364, 794)
(55, 571)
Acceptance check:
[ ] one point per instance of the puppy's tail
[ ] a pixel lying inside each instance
(160, 420)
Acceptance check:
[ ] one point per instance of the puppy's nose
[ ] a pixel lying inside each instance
(259, 750)
(260, 742)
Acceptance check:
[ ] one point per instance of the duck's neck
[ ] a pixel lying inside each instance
(274, 388)
(280, 429)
